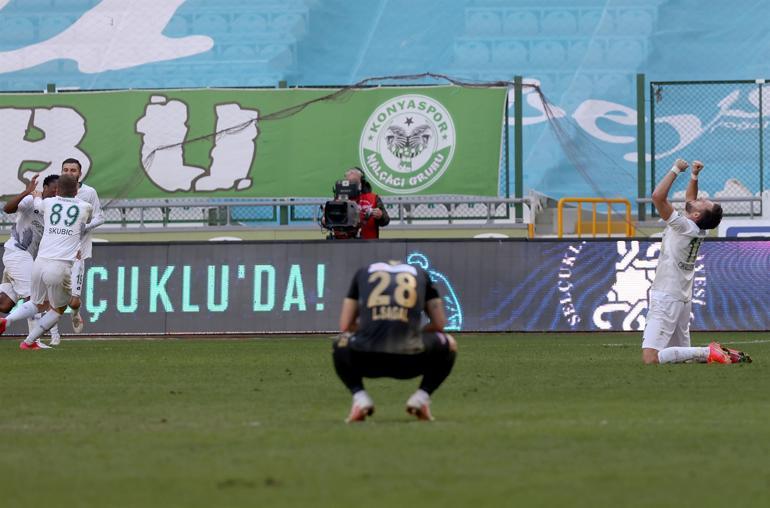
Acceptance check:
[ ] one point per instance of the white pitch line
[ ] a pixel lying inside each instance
(758, 341)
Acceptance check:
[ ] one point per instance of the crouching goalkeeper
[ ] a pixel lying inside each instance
(381, 336)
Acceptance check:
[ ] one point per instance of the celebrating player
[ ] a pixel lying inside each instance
(21, 248)
(87, 194)
(65, 219)
(667, 333)
(386, 341)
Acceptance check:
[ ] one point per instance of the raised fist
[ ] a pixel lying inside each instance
(696, 167)
(681, 164)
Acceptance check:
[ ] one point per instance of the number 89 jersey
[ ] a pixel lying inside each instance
(61, 234)
(391, 298)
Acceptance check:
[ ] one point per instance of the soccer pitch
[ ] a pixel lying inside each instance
(524, 420)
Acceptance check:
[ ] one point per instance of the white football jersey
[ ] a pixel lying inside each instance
(61, 234)
(29, 220)
(678, 254)
(88, 194)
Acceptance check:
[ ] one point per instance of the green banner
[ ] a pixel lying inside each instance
(162, 143)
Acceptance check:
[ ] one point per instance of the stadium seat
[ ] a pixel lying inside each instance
(210, 23)
(549, 53)
(483, 22)
(595, 53)
(521, 23)
(596, 22)
(471, 54)
(560, 22)
(509, 53)
(469, 211)
(253, 24)
(239, 52)
(625, 53)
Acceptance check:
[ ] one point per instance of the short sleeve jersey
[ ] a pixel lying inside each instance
(89, 195)
(61, 233)
(391, 299)
(29, 220)
(681, 241)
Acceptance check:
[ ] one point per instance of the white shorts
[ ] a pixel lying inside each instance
(51, 280)
(668, 322)
(17, 277)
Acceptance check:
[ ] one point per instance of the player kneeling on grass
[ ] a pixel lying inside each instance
(667, 333)
(65, 218)
(386, 341)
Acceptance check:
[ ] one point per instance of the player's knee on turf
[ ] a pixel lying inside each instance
(649, 356)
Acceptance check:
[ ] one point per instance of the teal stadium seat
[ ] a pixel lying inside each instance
(249, 23)
(510, 53)
(562, 22)
(548, 54)
(483, 22)
(521, 23)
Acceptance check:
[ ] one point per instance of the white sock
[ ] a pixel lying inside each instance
(422, 396)
(76, 277)
(44, 324)
(362, 399)
(22, 312)
(683, 354)
(55, 331)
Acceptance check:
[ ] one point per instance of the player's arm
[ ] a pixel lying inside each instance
(97, 216)
(660, 194)
(12, 205)
(88, 217)
(692, 187)
(434, 308)
(349, 315)
(349, 312)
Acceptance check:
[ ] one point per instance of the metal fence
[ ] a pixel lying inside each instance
(299, 212)
(722, 123)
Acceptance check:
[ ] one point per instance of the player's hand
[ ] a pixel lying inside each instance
(31, 185)
(681, 164)
(376, 213)
(697, 166)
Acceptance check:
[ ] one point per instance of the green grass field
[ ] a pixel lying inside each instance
(525, 420)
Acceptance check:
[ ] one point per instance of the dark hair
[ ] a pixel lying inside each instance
(50, 179)
(710, 219)
(72, 161)
(68, 186)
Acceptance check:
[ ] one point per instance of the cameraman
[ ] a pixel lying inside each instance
(373, 213)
